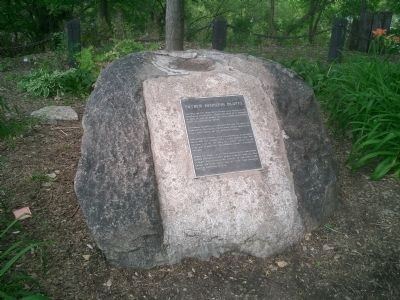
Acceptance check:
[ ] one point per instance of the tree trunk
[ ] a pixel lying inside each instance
(104, 12)
(271, 19)
(363, 6)
(174, 25)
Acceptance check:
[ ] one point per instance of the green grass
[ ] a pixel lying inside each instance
(15, 284)
(362, 98)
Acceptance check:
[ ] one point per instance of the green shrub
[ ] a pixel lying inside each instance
(125, 47)
(44, 83)
(15, 284)
(86, 61)
(313, 72)
(362, 97)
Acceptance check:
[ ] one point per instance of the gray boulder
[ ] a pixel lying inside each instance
(134, 180)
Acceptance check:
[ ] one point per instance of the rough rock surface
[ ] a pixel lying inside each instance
(56, 113)
(123, 190)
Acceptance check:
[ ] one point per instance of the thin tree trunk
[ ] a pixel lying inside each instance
(174, 25)
(271, 19)
(363, 6)
(104, 12)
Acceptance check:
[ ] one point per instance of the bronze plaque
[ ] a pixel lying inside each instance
(220, 136)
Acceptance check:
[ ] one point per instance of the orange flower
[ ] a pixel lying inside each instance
(378, 32)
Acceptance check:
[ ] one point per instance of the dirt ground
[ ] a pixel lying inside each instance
(356, 255)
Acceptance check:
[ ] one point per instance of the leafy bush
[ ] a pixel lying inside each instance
(383, 43)
(44, 83)
(125, 47)
(86, 61)
(13, 284)
(313, 72)
(362, 97)
(47, 83)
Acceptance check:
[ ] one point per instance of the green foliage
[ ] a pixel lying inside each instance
(40, 177)
(385, 44)
(44, 83)
(313, 72)
(5, 65)
(124, 47)
(362, 98)
(85, 60)
(15, 284)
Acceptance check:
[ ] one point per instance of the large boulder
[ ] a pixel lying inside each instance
(135, 180)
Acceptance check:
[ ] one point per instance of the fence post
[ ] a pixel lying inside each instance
(219, 33)
(338, 37)
(387, 20)
(353, 38)
(73, 28)
(366, 20)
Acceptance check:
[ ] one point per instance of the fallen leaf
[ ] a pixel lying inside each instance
(22, 213)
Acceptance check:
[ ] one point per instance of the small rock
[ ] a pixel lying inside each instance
(46, 184)
(282, 264)
(57, 172)
(190, 274)
(108, 283)
(326, 247)
(56, 113)
(89, 246)
(86, 257)
(52, 175)
(307, 236)
(272, 267)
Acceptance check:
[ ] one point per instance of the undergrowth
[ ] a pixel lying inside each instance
(11, 122)
(46, 82)
(14, 283)
(361, 97)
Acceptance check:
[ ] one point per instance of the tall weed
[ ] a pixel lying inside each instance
(15, 284)
(363, 96)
